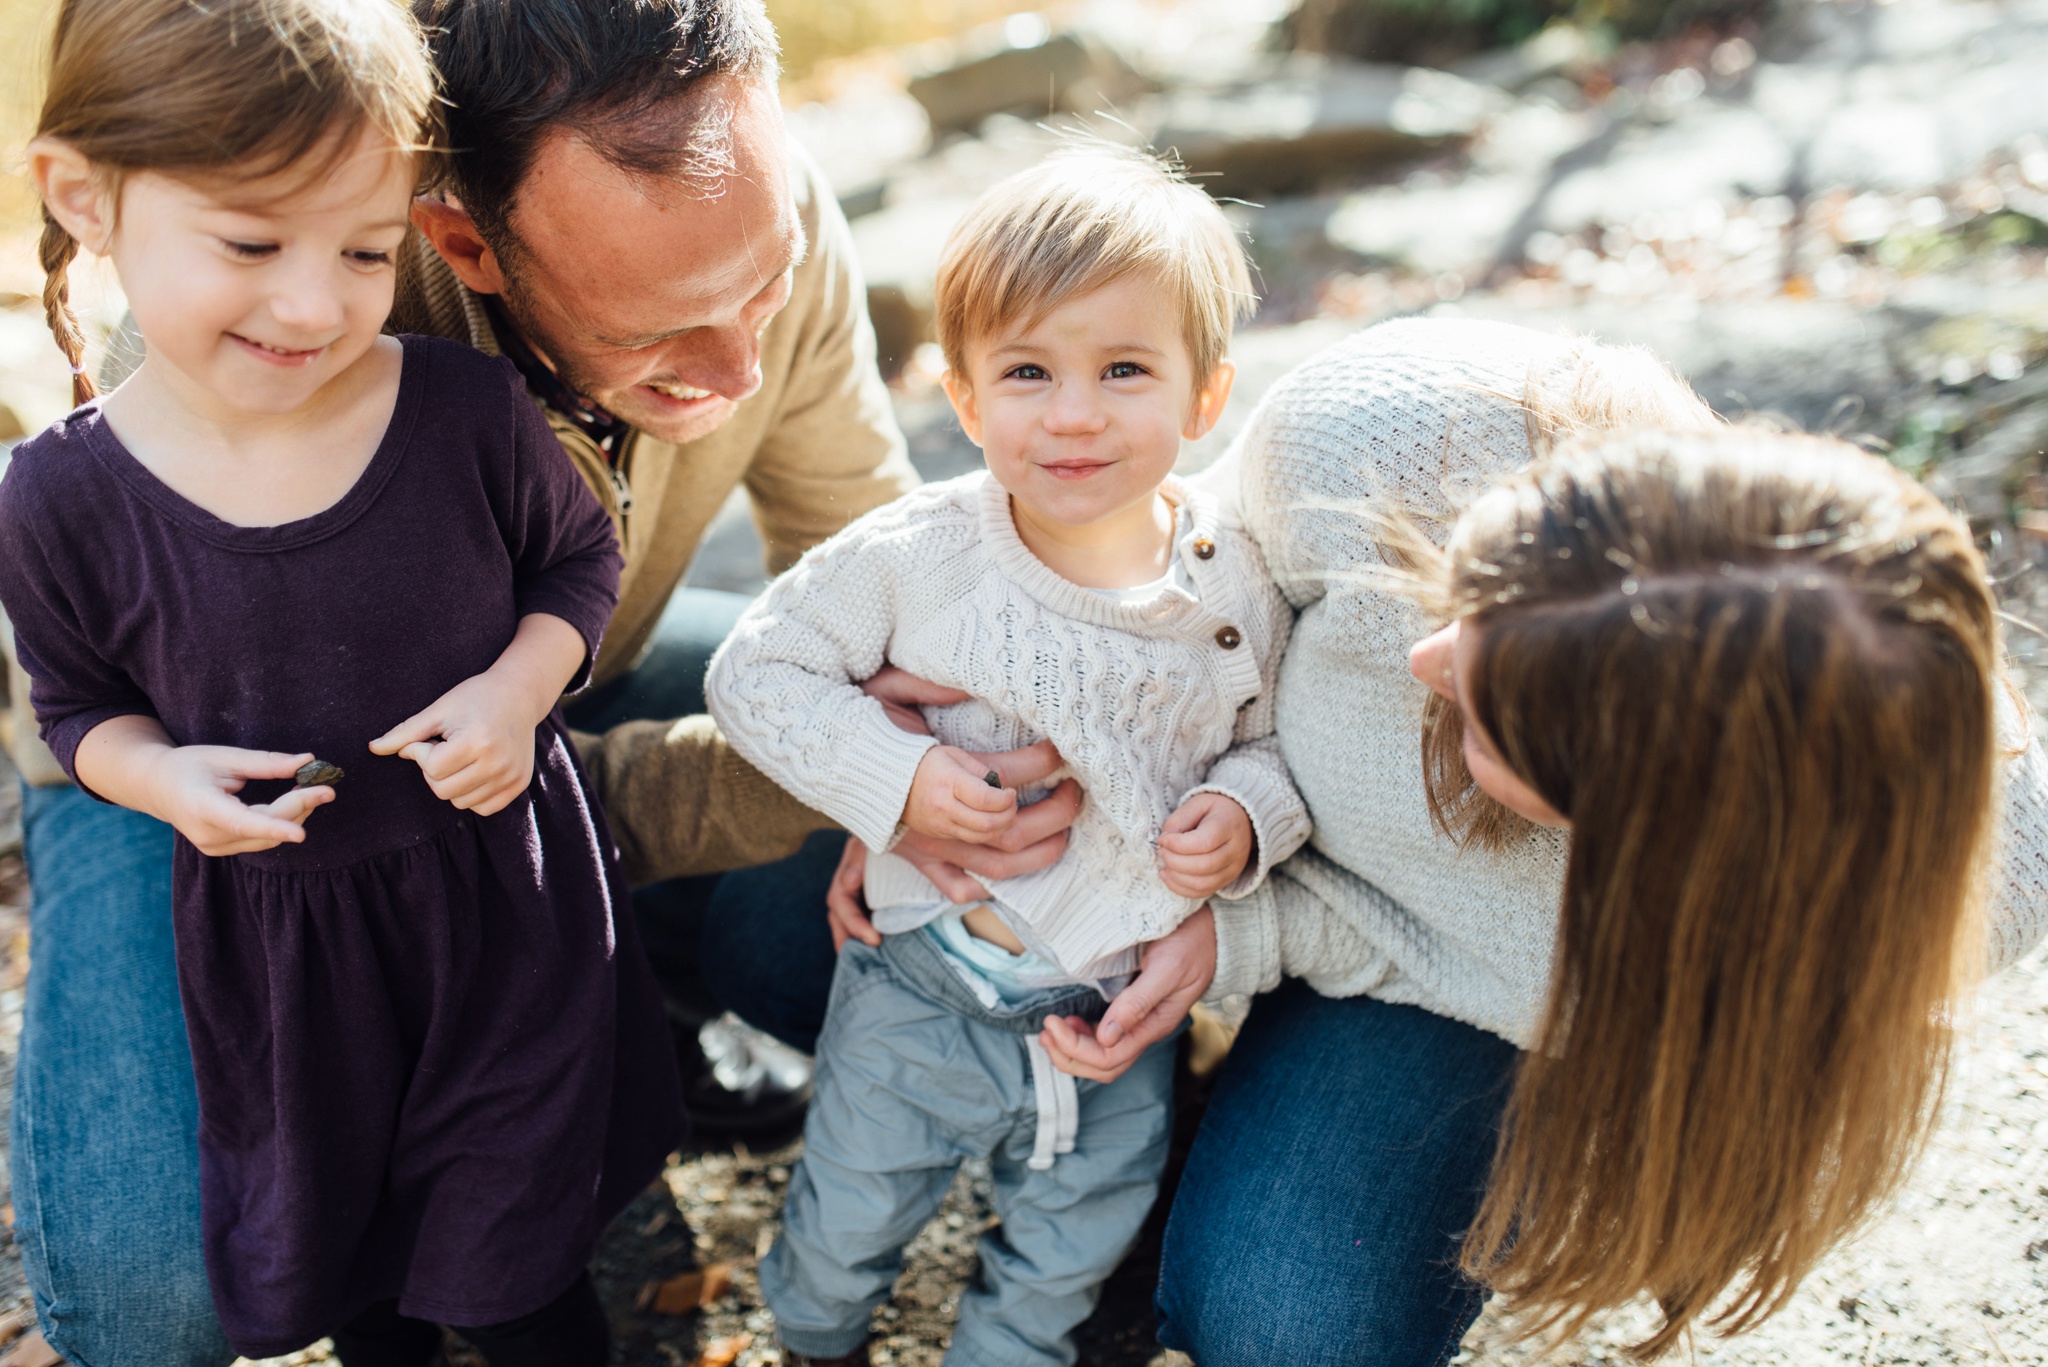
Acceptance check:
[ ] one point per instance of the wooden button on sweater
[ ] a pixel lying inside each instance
(1205, 549)
(1228, 638)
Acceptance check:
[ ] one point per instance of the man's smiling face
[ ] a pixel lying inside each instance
(649, 296)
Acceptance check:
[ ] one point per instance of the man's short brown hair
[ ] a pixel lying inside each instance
(1082, 219)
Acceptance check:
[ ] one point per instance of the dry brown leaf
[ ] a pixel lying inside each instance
(721, 1352)
(33, 1352)
(688, 1292)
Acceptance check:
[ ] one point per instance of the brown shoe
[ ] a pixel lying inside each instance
(857, 1358)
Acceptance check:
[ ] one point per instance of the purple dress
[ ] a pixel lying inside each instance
(432, 1063)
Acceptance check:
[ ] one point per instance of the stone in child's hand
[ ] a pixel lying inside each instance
(992, 779)
(315, 772)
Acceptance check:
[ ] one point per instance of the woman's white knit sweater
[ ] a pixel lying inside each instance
(1380, 903)
(1148, 702)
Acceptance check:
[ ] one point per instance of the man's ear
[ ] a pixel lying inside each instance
(454, 235)
(1210, 399)
(76, 195)
(961, 394)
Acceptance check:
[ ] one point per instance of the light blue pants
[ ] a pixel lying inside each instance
(911, 1082)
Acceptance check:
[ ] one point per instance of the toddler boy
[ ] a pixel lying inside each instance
(1078, 593)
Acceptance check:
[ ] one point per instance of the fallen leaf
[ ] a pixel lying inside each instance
(33, 1352)
(11, 1326)
(688, 1292)
(721, 1352)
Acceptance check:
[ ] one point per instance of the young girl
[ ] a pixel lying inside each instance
(429, 1060)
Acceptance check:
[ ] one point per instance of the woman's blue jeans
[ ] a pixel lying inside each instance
(104, 1133)
(1343, 1155)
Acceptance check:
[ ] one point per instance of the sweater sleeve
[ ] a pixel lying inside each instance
(783, 686)
(1251, 772)
(681, 801)
(2019, 893)
(565, 553)
(1302, 923)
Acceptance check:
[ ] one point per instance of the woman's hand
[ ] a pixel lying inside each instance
(475, 742)
(1177, 970)
(1205, 845)
(131, 760)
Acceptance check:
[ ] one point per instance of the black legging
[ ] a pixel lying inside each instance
(569, 1331)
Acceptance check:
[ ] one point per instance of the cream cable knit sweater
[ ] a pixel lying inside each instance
(1380, 903)
(1148, 702)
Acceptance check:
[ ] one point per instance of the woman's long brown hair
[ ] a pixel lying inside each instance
(241, 87)
(1756, 672)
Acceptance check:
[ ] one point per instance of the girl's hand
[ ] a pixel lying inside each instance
(475, 742)
(194, 787)
(952, 799)
(130, 760)
(1205, 845)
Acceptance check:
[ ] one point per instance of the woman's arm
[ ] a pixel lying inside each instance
(2018, 913)
(1304, 923)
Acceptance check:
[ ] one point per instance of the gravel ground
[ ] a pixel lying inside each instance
(1953, 1273)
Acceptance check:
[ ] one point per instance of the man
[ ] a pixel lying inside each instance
(626, 221)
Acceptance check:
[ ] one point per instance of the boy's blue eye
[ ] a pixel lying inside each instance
(1125, 370)
(1025, 372)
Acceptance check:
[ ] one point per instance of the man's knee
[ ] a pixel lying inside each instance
(767, 949)
(105, 1150)
(118, 1318)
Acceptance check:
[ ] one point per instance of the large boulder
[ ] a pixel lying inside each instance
(1309, 118)
(1042, 74)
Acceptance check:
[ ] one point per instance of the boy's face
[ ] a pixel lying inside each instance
(261, 293)
(1081, 413)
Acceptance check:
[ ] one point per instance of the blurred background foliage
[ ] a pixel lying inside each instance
(24, 28)
(814, 33)
(817, 33)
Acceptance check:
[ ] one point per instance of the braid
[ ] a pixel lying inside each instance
(57, 250)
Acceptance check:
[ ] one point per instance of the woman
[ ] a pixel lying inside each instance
(1731, 700)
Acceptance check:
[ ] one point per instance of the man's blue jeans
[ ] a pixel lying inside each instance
(1343, 1155)
(105, 1122)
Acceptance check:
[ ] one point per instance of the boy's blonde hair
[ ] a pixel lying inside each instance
(1082, 219)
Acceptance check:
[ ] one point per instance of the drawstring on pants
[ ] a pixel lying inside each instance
(1059, 1108)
